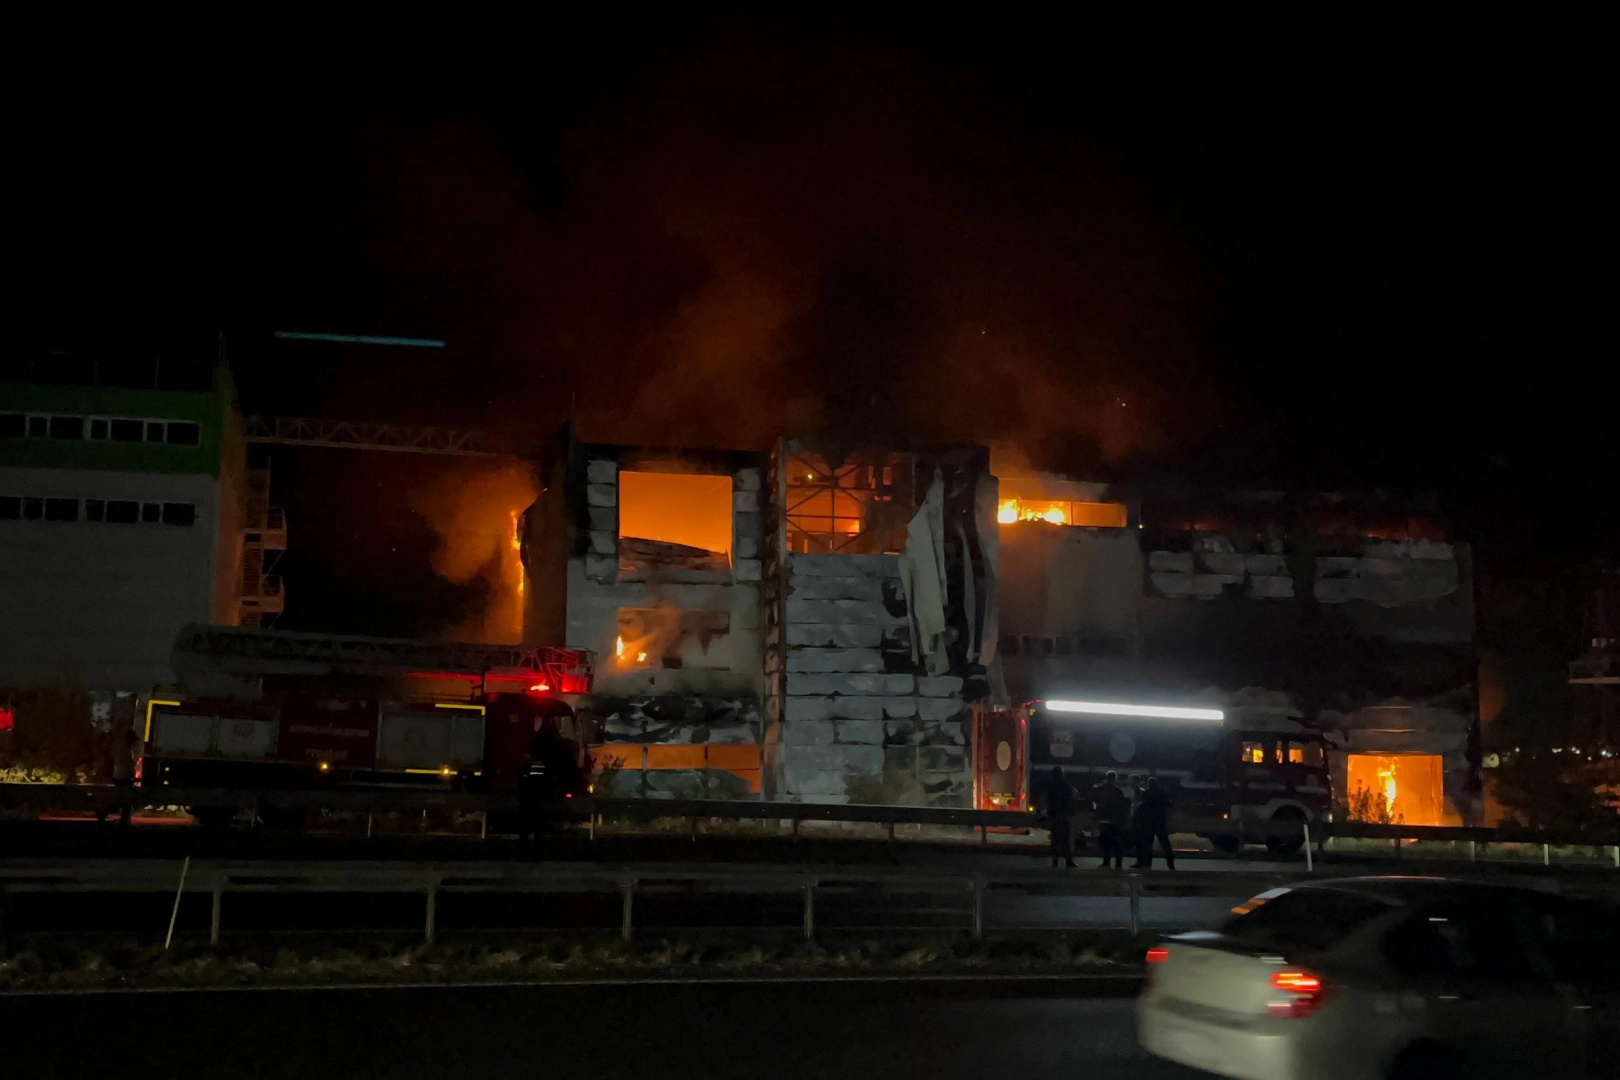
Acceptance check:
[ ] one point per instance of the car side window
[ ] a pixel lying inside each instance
(1581, 939)
(1473, 941)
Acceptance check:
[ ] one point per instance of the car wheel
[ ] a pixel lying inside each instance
(1227, 844)
(1426, 1061)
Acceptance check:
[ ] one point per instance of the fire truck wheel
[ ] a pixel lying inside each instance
(281, 819)
(214, 817)
(1280, 845)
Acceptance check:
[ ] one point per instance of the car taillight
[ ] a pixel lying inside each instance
(1158, 954)
(1302, 993)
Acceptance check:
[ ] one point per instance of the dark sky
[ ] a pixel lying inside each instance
(1314, 255)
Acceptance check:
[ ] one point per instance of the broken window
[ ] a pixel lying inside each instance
(1057, 500)
(1094, 515)
(1401, 789)
(667, 637)
(674, 521)
(858, 506)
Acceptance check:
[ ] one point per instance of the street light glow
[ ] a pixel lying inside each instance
(1105, 708)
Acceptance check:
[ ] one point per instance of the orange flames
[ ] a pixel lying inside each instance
(477, 513)
(1011, 510)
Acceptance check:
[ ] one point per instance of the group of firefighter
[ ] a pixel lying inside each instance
(1136, 820)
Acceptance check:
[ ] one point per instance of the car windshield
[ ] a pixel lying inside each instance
(1294, 920)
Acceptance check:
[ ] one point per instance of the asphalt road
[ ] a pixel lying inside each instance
(780, 1031)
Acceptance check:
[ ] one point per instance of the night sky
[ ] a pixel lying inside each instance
(1320, 256)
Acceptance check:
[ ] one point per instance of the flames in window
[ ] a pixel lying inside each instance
(1402, 789)
(1097, 515)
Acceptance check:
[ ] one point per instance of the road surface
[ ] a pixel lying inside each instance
(780, 1031)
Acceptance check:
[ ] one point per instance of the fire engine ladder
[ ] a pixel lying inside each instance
(244, 651)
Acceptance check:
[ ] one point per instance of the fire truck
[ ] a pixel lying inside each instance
(1240, 766)
(274, 710)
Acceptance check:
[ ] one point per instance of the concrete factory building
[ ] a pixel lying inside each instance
(826, 623)
(126, 512)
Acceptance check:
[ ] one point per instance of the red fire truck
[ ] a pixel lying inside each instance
(1240, 766)
(313, 710)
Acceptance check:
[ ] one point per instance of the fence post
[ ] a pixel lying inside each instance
(213, 919)
(1546, 855)
(368, 824)
(432, 911)
(1136, 906)
(809, 909)
(978, 905)
(1473, 851)
(1310, 865)
(628, 888)
(891, 830)
(1614, 853)
(179, 891)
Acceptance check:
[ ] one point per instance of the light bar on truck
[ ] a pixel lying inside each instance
(1105, 708)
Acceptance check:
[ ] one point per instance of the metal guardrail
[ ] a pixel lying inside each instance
(216, 878)
(219, 878)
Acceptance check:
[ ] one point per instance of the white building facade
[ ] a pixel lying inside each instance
(121, 520)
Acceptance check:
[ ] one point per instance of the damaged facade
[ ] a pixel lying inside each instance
(819, 623)
(1354, 613)
(754, 616)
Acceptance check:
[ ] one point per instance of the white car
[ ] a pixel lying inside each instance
(1392, 978)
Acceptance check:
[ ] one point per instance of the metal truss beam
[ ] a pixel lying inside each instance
(366, 435)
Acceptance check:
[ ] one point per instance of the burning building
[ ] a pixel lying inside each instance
(1354, 613)
(822, 622)
(764, 626)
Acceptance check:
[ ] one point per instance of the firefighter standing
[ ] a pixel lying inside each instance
(1060, 800)
(1113, 818)
(1150, 821)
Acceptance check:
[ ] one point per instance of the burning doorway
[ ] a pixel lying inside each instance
(1401, 789)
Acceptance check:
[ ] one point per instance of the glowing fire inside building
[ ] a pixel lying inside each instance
(1406, 789)
(1062, 512)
